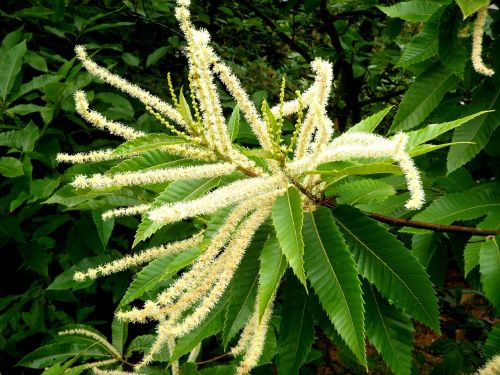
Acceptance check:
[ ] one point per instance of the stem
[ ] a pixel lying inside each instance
(432, 226)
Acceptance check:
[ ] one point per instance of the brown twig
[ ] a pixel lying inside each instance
(432, 226)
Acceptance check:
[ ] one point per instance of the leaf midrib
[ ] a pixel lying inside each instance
(351, 320)
(386, 265)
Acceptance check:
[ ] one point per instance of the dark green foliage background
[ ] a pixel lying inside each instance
(262, 40)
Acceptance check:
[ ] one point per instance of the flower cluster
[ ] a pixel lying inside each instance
(477, 43)
(205, 139)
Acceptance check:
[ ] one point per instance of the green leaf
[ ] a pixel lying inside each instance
(389, 330)
(369, 124)
(424, 44)
(51, 354)
(385, 262)
(479, 130)
(473, 247)
(175, 192)
(432, 131)
(10, 167)
(10, 67)
(452, 52)
(46, 112)
(489, 266)
(296, 334)
(423, 96)
(413, 10)
(156, 271)
(243, 289)
(234, 123)
(35, 84)
(146, 143)
(466, 205)
(119, 331)
(149, 160)
(104, 227)
(184, 108)
(332, 273)
(288, 219)
(469, 7)
(156, 55)
(272, 266)
(492, 345)
(362, 191)
(424, 246)
(65, 280)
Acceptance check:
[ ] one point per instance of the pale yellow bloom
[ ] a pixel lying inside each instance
(84, 332)
(139, 258)
(492, 367)
(101, 122)
(155, 176)
(87, 157)
(129, 88)
(477, 43)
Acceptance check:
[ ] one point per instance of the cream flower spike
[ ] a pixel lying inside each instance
(139, 258)
(87, 157)
(477, 43)
(101, 122)
(492, 367)
(240, 190)
(155, 176)
(129, 88)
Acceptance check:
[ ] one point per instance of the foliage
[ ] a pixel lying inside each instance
(379, 51)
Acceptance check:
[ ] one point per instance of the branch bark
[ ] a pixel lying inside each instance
(432, 226)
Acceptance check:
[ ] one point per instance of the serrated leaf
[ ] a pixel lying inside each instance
(176, 191)
(119, 331)
(65, 280)
(51, 354)
(492, 345)
(479, 130)
(489, 267)
(423, 96)
(426, 148)
(332, 273)
(451, 50)
(104, 227)
(413, 10)
(469, 7)
(147, 142)
(362, 191)
(423, 246)
(432, 131)
(233, 125)
(466, 205)
(288, 219)
(296, 333)
(184, 109)
(424, 44)
(272, 267)
(369, 124)
(156, 55)
(10, 66)
(157, 271)
(149, 160)
(389, 330)
(35, 84)
(473, 246)
(385, 262)
(243, 289)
